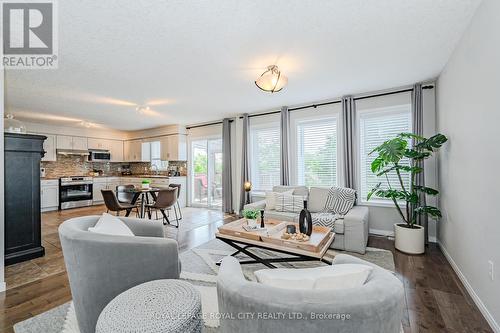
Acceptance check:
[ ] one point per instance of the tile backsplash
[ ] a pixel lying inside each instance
(74, 165)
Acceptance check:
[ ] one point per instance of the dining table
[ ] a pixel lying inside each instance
(143, 194)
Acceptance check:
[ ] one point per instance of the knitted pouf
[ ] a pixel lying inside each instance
(153, 307)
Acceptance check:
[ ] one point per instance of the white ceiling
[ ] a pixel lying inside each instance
(195, 61)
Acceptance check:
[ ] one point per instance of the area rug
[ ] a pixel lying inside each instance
(199, 268)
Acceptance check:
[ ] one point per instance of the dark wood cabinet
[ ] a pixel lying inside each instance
(23, 153)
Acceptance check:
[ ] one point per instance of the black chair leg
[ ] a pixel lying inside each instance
(165, 217)
(176, 218)
(180, 211)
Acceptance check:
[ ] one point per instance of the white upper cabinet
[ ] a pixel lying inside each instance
(132, 150)
(116, 150)
(145, 151)
(71, 142)
(80, 143)
(174, 148)
(101, 144)
(64, 142)
(49, 145)
(115, 147)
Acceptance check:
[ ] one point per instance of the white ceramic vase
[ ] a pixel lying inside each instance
(411, 241)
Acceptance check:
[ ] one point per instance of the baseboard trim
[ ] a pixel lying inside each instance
(479, 303)
(388, 233)
(3, 286)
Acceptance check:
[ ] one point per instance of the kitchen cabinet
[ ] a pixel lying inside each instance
(99, 144)
(137, 151)
(80, 143)
(97, 198)
(116, 150)
(174, 148)
(71, 142)
(49, 145)
(115, 147)
(49, 195)
(132, 150)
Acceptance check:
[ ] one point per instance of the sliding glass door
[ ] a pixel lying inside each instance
(206, 175)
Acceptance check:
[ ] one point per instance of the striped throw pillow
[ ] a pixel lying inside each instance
(289, 203)
(340, 200)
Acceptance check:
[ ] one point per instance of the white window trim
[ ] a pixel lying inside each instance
(372, 112)
(293, 142)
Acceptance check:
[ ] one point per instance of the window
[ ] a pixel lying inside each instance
(375, 127)
(316, 146)
(265, 156)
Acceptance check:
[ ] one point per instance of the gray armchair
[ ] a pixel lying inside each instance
(101, 267)
(375, 307)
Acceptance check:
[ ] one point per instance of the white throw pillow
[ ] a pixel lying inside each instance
(334, 277)
(271, 199)
(111, 225)
(289, 203)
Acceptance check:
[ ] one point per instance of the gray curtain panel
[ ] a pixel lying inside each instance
(285, 142)
(227, 178)
(348, 172)
(245, 167)
(417, 114)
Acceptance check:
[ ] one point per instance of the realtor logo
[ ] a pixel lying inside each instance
(29, 39)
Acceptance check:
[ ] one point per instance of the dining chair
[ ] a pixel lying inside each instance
(178, 186)
(112, 203)
(124, 195)
(165, 199)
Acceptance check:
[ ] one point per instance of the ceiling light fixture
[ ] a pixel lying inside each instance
(271, 80)
(142, 108)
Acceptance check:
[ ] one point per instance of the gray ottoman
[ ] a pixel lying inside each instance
(153, 307)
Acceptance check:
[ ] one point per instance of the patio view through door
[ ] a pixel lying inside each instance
(206, 177)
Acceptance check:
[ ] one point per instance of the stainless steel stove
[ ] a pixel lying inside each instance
(75, 191)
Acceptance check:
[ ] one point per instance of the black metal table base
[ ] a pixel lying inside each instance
(266, 261)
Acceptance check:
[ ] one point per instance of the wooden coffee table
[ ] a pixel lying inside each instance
(270, 239)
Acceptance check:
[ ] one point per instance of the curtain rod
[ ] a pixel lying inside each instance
(316, 105)
(209, 124)
(337, 101)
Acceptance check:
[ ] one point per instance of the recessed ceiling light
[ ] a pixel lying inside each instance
(271, 80)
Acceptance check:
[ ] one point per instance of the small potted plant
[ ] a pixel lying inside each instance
(146, 183)
(251, 216)
(409, 236)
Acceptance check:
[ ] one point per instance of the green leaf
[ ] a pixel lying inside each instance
(377, 164)
(416, 155)
(430, 210)
(373, 190)
(411, 136)
(426, 190)
(434, 142)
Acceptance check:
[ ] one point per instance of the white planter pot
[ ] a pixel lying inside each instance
(145, 186)
(252, 223)
(411, 241)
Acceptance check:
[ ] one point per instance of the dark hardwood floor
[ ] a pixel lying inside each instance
(436, 301)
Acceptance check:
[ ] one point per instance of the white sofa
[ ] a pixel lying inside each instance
(351, 232)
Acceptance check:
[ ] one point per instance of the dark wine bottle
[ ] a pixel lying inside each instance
(305, 221)
(262, 224)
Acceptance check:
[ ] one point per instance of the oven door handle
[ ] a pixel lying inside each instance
(75, 183)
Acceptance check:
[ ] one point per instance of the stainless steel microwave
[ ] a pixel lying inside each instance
(99, 156)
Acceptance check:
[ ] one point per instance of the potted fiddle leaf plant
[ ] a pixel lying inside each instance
(392, 158)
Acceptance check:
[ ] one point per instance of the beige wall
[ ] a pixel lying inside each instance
(469, 114)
